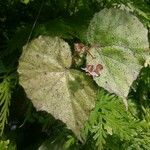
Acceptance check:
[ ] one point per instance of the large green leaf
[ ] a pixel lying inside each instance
(65, 93)
(117, 27)
(121, 45)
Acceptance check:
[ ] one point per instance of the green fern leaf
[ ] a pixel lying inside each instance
(109, 119)
(6, 87)
(4, 144)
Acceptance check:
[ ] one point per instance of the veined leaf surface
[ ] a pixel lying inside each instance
(121, 41)
(117, 27)
(65, 93)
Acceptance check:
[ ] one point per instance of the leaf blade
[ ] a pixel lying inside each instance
(53, 87)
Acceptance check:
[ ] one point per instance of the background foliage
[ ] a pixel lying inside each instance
(109, 125)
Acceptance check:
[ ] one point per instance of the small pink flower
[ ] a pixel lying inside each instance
(92, 70)
(81, 48)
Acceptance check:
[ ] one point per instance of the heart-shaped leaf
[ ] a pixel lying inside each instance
(65, 93)
(121, 43)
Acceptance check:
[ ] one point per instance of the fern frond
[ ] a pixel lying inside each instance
(6, 87)
(4, 144)
(109, 119)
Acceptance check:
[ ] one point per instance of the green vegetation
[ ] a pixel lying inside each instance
(59, 94)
